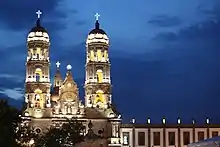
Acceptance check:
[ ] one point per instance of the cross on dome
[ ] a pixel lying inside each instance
(69, 67)
(38, 13)
(97, 16)
(58, 64)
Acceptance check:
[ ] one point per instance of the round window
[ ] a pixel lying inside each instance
(38, 130)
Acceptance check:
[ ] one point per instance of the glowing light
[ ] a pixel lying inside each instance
(58, 64)
(69, 67)
(97, 16)
(207, 121)
(94, 38)
(164, 120)
(178, 121)
(148, 120)
(133, 121)
(38, 13)
(31, 142)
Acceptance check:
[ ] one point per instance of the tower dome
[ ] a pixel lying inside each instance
(38, 33)
(97, 29)
(97, 35)
(38, 27)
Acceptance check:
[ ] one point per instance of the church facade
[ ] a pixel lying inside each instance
(48, 103)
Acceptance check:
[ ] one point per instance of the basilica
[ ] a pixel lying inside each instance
(48, 103)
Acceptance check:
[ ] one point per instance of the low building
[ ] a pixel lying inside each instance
(166, 135)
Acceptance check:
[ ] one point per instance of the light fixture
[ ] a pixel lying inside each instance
(193, 121)
(163, 120)
(148, 120)
(178, 121)
(133, 121)
(207, 121)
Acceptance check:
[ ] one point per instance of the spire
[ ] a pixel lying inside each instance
(57, 77)
(68, 74)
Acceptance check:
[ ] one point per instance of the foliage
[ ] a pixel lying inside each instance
(25, 134)
(11, 131)
(70, 133)
(9, 119)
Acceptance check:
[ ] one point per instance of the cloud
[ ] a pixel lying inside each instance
(14, 78)
(165, 21)
(80, 22)
(17, 15)
(15, 93)
(203, 32)
(10, 86)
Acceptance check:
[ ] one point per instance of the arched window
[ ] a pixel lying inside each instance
(99, 76)
(38, 74)
(37, 77)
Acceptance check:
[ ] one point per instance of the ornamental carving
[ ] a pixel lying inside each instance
(30, 88)
(106, 88)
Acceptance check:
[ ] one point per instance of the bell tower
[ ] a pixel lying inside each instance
(97, 79)
(37, 83)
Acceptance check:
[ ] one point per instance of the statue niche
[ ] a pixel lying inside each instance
(99, 76)
(38, 99)
(99, 98)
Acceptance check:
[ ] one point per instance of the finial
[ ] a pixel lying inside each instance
(97, 16)
(69, 67)
(38, 17)
(97, 21)
(58, 64)
(38, 14)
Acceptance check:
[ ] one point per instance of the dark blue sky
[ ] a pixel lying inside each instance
(164, 53)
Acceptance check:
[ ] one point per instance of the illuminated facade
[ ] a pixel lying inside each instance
(49, 103)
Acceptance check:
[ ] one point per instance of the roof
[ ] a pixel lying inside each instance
(93, 113)
(97, 31)
(136, 125)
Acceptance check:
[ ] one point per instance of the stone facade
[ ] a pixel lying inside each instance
(50, 104)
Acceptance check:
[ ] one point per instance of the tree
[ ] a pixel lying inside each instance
(25, 134)
(69, 134)
(9, 119)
